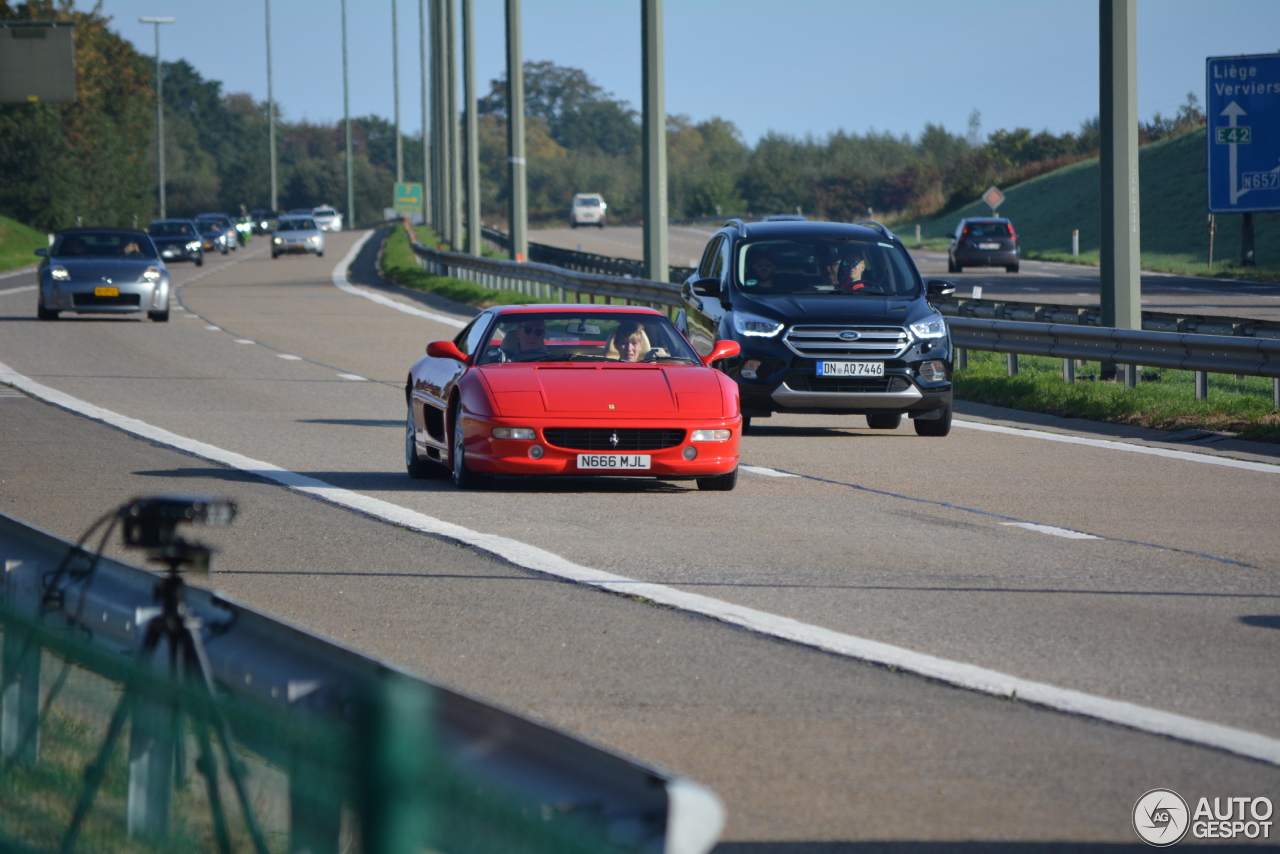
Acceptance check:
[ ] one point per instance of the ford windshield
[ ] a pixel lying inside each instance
(837, 267)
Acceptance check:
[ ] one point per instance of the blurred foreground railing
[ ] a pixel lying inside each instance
(302, 746)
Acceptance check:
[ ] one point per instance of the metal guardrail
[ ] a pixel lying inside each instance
(308, 682)
(1091, 315)
(1221, 354)
(545, 281)
(585, 262)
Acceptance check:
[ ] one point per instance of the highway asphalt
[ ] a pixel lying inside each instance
(965, 548)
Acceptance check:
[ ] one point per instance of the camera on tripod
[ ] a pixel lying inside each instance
(152, 523)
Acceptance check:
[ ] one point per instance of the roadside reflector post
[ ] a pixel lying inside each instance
(1202, 385)
(1132, 375)
(1213, 229)
(917, 239)
(1012, 359)
(1075, 241)
(1069, 370)
(1275, 393)
(962, 359)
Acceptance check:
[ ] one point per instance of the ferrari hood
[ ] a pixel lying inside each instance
(600, 390)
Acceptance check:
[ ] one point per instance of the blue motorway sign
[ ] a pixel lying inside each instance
(1243, 110)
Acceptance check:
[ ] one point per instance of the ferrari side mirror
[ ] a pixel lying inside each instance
(445, 350)
(722, 350)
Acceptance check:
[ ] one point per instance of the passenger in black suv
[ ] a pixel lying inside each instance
(866, 342)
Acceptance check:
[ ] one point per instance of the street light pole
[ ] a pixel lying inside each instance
(346, 115)
(159, 110)
(271, 115)
(395, 77)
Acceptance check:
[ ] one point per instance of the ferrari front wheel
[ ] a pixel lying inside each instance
(719, 482)
(463, 477)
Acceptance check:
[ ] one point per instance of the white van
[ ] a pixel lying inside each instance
(588, 209)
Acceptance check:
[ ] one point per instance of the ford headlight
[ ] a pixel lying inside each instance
(750, 324)
(151, 274)
(60, 274)
(934, 327)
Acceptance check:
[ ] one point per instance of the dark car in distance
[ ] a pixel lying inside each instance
(983, 242)
(832, 318)
(177, 240)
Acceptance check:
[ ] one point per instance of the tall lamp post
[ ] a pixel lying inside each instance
(346, 114)
(271, 115)
(159, 109)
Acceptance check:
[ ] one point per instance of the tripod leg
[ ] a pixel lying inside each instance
(195, 647)
(94, 773)
(208, 766)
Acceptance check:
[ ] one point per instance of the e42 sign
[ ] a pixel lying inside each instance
(1243, 111)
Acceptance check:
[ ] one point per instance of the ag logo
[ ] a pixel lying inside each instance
(1160, 817)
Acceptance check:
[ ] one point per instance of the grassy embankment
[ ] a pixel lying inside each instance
(1174, 239)
(18, 243)
(400, 266)
(1172, 190)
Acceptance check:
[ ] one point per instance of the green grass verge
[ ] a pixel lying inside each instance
(18, 244)
(1174, 233)
(399, 265)
(1241, 406)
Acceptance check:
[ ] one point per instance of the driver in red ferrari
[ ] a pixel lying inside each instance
(531, 338)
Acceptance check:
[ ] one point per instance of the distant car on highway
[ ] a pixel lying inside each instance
(832, 319)
(327, 219)
(102, 271)
(984, 242)
(587, 209)
(177, 240)
(571, 390)
(298, 234)
(212, 237)
(224, 227)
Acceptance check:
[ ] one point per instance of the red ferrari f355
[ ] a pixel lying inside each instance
(572, 390)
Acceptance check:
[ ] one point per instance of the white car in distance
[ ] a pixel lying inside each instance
(327, 219)
(587, 209)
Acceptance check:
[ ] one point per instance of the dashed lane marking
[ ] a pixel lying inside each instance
(17, 290)
(289, 356)
(761, 470)
(1052, 531)
(354, 378)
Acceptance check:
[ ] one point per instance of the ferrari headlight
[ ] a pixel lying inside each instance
(934, 327)
(711, 436)
(60, 274)
(513, 433)
(761, 327)
(151, 274)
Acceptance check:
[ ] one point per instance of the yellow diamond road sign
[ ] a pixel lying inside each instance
(408, 198)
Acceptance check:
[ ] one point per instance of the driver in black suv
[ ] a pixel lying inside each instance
(833, 318)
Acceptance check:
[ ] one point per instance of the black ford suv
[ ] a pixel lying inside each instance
(832, 318)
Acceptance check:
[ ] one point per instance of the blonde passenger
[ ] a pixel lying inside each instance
(629, 342)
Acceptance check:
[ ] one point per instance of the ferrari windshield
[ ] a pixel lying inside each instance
(817, 266)
(103, 244)
(585, 336)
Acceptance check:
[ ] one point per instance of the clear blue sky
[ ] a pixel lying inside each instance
(796, 67)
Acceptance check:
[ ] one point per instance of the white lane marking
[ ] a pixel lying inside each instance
(353, 377)
(767, 472)
(213, 328)
(1056, 532)
(245, 341)
(289, 356)
(18, 272)
(191, 316)
(18, 290)
(1187, 456)
(1231, 739)
(340, 280)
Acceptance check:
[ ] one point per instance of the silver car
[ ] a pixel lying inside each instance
(297, 234)
(327, 219)
(102, 271)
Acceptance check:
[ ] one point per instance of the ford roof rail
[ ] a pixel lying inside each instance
(738, 224)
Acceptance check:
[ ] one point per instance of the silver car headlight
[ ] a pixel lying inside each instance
(151, 274)
(761, 327)
(277, 240)
(934, 327)
(60, 274)
(193, 246)
(314, 238)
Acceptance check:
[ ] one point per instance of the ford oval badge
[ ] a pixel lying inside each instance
(849, 335)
